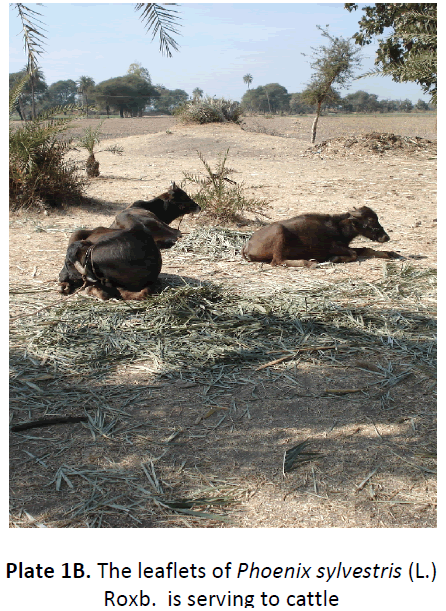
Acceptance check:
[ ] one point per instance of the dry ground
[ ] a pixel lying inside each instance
(218, 431)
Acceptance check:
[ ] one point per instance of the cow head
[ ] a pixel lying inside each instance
(76, 267)
(180, 199)
(365, 221)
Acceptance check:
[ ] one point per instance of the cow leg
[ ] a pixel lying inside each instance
(342, 254)
(299, 263)
(65, 288)
(136, 295)
(377, 254)
(102, 292)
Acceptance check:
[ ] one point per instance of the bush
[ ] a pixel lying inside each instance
(221, 197)
(209, 110)
(39, 174)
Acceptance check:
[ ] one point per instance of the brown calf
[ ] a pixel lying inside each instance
(305, 239)
(156, 214)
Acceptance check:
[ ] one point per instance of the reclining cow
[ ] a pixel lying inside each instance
(120, 263)
(308, 238)
(142, 222)
(157, 214)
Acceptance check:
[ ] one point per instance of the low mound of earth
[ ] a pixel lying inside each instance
(374, 143)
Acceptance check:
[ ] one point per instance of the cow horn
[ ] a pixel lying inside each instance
(172, 185)
(80, 268)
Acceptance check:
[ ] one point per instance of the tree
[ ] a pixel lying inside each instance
(197, 94)
(422, 105)
(267, 98)
(333, 64)
(32, 91)
(126, 93)
(406, 106)
(138, 69)
(85, 84)
(62, 92)
(298, 106)
(247, 79)
(361, 101)
(169, 99)
(409, 51)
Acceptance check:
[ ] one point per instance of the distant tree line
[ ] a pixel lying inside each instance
(275, 99)
(132, 94)
(128, 95)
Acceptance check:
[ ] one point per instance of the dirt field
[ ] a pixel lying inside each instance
(220, 431)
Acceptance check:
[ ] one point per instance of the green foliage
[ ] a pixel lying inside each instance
(421, 105)
(361, 101)
(197, 93)
(271, 98)
(138, 70)
(62, 92)
(35, 86)
(209, 110)
(409, 50)
(169, 99)
(221, 197)
(85, 83)
(126, 93)
(333, 65)
(298, 106)
(247, 79)
(39, 174)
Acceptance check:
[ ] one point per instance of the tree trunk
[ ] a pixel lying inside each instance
(121, 111)
(316, 119)
(20, 110)
(92, 167)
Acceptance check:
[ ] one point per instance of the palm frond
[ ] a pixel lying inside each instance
(162, 21)
(32, 34)
(16, 91)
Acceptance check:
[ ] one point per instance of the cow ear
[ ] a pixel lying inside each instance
(355, 213)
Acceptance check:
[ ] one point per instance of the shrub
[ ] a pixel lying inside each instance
(209, 110)
(89, 140)
(39, 174)
(221, 197)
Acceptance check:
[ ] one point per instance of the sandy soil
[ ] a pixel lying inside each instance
(270, 156)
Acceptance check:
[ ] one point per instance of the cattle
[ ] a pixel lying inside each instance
(156, 214)
(304, 240)
(120, 263)
(164, 236)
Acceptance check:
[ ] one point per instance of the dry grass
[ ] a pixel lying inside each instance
(212, 333)
(342, 357)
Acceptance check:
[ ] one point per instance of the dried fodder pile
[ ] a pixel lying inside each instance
(373, 143)
(63, 360)
(192, 328)
(213, 243)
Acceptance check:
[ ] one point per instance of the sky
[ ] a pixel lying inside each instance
(218, 45)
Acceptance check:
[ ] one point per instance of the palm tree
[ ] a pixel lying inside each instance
(247, 79)
(84, 83)
(197, 93)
